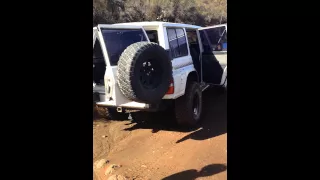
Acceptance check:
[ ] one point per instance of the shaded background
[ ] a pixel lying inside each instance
(197, 12)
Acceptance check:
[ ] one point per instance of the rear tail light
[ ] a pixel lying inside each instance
(171, 87)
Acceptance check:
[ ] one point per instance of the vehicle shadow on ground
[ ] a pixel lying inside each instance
(192, 174)
(214, 120)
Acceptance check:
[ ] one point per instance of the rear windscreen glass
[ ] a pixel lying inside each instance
(117, 40)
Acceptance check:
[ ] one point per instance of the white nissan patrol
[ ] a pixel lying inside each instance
(155, 66)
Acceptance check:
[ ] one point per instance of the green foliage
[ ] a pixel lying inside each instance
(198, 12)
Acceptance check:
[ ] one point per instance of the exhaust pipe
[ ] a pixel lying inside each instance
(119, 109)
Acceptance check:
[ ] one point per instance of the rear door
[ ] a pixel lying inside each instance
(109, 43)
(214, 42)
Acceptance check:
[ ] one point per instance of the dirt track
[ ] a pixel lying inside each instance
(158, 150)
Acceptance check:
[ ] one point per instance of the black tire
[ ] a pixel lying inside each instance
(140, 116)
(144, 72)
(111, 113)
(188, 108)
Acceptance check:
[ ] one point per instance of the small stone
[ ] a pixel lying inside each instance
(144, 166)
(104, 136)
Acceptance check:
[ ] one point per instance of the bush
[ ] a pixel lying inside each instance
(197, 12)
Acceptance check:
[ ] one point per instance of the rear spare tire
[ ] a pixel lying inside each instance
(144, 72)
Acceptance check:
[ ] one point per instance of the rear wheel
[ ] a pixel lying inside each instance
(188, 108)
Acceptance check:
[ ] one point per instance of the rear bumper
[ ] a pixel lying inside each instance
(132, 105)
(99, 98)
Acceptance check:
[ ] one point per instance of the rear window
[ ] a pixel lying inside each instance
(117, 40)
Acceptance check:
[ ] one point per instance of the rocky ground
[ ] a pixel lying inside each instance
(157, 149)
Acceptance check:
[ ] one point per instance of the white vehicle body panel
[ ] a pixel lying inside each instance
(209, 27)
(159, 23)
(180, 80)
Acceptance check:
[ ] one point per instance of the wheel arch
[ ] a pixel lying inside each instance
(191, 76)
(181, 77)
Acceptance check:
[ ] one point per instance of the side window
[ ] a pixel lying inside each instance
(193, 41)
(177, 42)
(183, 47)
(173, 43)
(192, 36)
(205, 42)
(153, 36)
(217, 37)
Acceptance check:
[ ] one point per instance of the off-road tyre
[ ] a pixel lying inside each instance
(188, 108)
(144, 72)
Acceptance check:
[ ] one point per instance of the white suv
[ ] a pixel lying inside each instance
(156, 66)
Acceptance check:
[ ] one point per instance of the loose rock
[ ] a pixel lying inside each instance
(99, 164)
(117, 177)
(111, 169)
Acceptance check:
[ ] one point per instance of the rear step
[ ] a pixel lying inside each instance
(205, 86)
